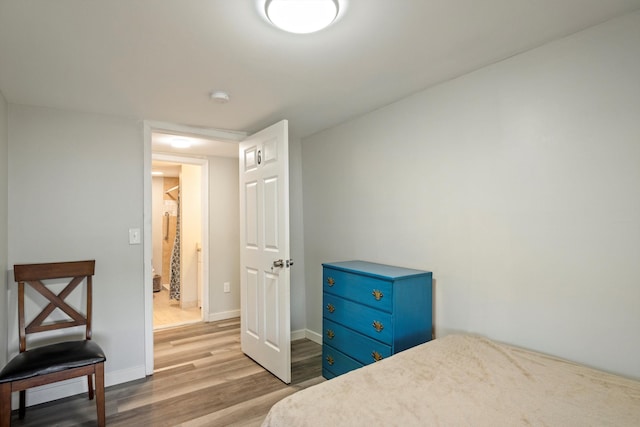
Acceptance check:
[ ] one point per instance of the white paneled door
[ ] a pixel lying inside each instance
(264, 249)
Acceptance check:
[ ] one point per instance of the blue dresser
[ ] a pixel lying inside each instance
(371, 311)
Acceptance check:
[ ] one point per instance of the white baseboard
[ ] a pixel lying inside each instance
(313, 336)
(188, 304)
(306, 333)
(298, 335)
(124, 375)
(61, 389)
(224, 315)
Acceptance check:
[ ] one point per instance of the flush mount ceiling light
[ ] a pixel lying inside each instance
(301, 16)
(180, 143)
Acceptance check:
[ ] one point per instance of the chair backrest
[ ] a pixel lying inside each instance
(34, 275)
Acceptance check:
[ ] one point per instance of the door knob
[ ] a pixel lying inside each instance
(278, 263)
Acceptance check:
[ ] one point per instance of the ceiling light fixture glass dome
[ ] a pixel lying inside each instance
(301, 16)
(180, 143)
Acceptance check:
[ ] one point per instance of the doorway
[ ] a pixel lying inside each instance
(177, 218)
(270, 151)
(218, 265)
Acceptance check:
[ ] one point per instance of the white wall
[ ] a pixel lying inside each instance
(75, 188)
(191, 232)
(4, 165)
(296, 237)
(517, 185)
(157, 223)
(224, 238)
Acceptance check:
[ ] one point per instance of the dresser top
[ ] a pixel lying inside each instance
(375, 270)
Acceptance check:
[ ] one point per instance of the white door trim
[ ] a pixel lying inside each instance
(148, 128)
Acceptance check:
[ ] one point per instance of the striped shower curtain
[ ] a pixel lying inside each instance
(174, 283)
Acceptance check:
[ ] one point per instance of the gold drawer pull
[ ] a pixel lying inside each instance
(330, 281)
(377, 325)
(330, 360)
(330, 334)
(376, 356)
(331, 308)
(377, 294)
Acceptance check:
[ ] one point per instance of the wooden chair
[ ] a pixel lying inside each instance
(54, 362)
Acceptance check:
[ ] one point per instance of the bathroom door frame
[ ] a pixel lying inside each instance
(148, 127)
(204, 226)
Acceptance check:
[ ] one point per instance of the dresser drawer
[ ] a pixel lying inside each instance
(372, 311)
(336, 362)
(373, 323)
(373, 292)
(361, 348)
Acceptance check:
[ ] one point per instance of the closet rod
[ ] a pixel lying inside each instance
(171, 189)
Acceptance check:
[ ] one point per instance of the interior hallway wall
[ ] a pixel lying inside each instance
(4, 208)
(224, 238)
(224, 230)
(157, 223)
(190, 233)
(75, 189)
(296, 237)
(517, 185)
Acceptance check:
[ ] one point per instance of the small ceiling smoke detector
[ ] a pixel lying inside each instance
(219, 96)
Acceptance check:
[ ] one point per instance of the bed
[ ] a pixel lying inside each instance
(465, 380)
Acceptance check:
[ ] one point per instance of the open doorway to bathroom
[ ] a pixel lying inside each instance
(177, 241)
(216, 151)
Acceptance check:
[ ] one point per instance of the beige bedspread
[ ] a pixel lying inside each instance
(465, 380)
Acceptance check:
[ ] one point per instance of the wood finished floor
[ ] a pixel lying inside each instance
(201, 378)
(168, 313)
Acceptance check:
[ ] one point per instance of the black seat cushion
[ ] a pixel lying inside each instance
(52, 358)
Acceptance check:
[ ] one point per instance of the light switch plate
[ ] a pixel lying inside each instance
(134, 236)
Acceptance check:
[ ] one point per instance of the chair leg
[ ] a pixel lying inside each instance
(5, 404)
(100, 405)
(23, 405)
(90, 383)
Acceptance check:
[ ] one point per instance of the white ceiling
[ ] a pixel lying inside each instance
(162, 143)
(160, 59)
